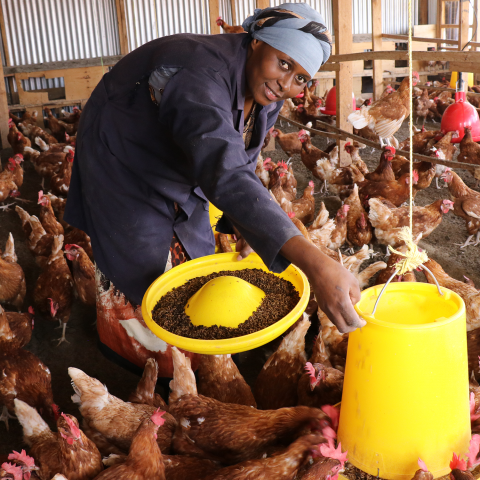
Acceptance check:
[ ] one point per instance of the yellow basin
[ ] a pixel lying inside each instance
(213, 263)
(405, 391)
(226, 301)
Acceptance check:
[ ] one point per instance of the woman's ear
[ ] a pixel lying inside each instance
(255, 43)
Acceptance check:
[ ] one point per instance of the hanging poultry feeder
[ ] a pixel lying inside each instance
(459, 115)
(405, 391)
(330, 107)
(224, 301)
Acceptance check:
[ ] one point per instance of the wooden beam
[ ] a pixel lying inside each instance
(403, 55)
(423, 12)
(262, 4)
(50, 103)
(472, 67)
(122, 26)
(3, 111)
(214, 12)
(234, 12)
(342, 20)
(440, 20)
(40, 67)
(463, 35)
(377, 46)
(420, 39)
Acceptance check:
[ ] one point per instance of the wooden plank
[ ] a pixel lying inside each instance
(377, 46)
(463, 35)
(465, 67)
(423, 12)
(122, 26)
(234, 12)
(41, 67)
(214, 12)
(50, 103)
(342, 20)
(262, 4)
(3, 112)
(403, 55)
(440, 20)
(420, 39)
(4, 36)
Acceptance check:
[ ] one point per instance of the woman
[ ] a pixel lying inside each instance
(180, 122)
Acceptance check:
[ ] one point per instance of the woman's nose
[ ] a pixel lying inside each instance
(285, 83)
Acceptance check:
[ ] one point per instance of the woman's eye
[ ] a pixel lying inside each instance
(284, 64)
(301, 79)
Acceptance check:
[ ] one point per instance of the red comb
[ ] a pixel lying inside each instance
(311, 371)
(282, 164)
(291, 214)
(70, 246)
(71, 424)
(40, 195)
(333, 413)
(56, 411)
(311, 184)
(157, 419)
(336, 453)
(391, 150)
(422, 465)
(346, 208)
(24, 458)
(415, 176)
(457, 463)
(14, 470)
(31, 310)
(472, 453)
(300, 95)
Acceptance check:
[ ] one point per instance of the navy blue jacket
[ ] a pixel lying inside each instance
(134, 159)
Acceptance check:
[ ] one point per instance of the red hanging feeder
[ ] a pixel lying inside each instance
(459, 115)
(330, 107)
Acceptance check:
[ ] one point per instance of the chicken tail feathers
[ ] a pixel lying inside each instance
(379, 213)
(360, 118)
(30, 420)
(89, 392)
(183, 382)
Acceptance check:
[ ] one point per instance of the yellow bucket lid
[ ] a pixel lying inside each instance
(220, 306)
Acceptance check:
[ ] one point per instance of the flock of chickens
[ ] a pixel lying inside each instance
(216, 427)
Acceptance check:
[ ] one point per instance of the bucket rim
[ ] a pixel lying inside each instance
(399, 286)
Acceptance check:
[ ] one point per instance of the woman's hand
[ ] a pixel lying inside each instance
(335, 288)
(242, 247)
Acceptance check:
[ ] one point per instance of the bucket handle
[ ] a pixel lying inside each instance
(370, 316)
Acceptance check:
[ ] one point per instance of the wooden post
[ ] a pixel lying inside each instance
(214, 8)
(342, 20)
(423, 12)
(3, 91)
(122, 26)
(440, 20)
(234, 12)
(463, 33)
(263, 4)
(376, 46)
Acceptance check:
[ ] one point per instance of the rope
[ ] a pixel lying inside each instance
(410, 124)
(414, 256)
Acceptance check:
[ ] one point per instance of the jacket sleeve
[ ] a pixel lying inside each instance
(197, 109)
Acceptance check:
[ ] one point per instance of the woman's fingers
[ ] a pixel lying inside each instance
(245, 251)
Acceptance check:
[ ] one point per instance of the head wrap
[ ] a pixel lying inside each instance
(296, 29)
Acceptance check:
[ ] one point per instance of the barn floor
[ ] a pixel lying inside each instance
(82, 351)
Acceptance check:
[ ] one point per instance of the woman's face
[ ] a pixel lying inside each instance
(272, 75)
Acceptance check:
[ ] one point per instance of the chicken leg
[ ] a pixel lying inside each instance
(5, 416)
(62, 338)
(468, 242)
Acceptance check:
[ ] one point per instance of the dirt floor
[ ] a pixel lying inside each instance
(82, 351)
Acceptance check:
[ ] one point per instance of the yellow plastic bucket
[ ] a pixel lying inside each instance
(454, 78)
(405, 393)
(213, 263)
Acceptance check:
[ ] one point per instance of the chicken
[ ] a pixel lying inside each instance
(310, 154)
(58, 130)
(289, 142)
(39, 242)
(421, 106)
(420, 141)
(384, 171)
(457, 187)
(325, 468)
(47, 216)
(387, 272)
(303, 207)
(15, 331)
(276, 384)
(443, 104)
(469, 294)
(385, 116)
(33, 132)
(469, 150)
(422, 473)
(218, 377)
(116, 421)
(320, 219)
(70, 129)
(276, 180)
(12, 278)
(21, 467)
(60, 182)
(228, 28)
(17, 140)
(389, 222)
(8, 187)
(322, 386)
(53, 293)
(67, 451)
(15, 166)
(359, 229)
(352, 150)
(25, 377)
(83, 272)
(262, 170)
(144, 460)
(73, 117)
(226, 432)
(468, 208)
(281, 466)
(397, 192)
(340, 180)
(29, 118)
(368, 134)
(366, 274)
(47, 163)
(459, 469)
(145, 391)
(339, 233)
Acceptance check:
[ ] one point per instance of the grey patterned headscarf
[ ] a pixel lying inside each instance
(295, 29)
